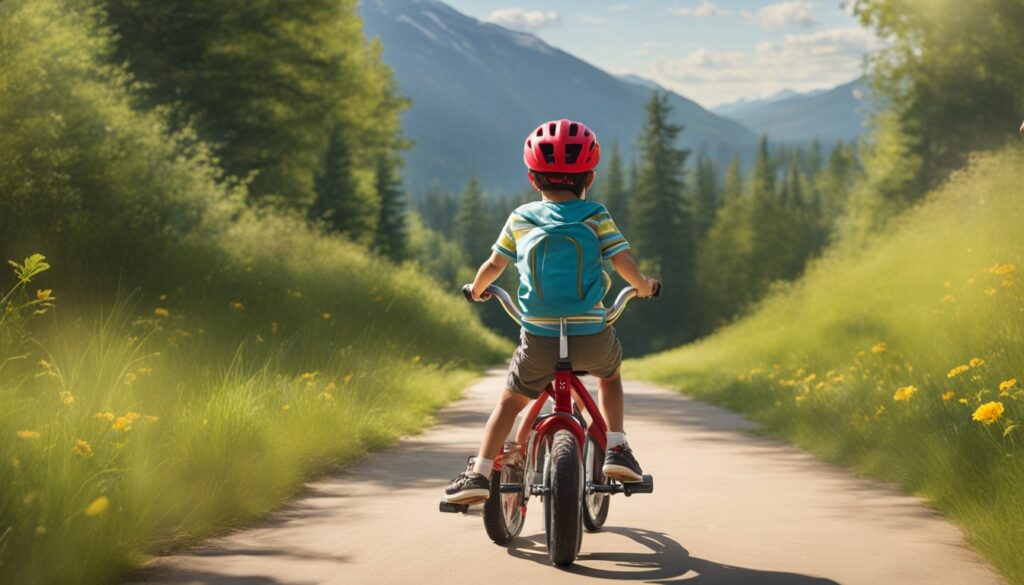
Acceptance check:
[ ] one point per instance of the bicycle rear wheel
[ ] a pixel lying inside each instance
(503, 513)
(563, 514)
(596, 504)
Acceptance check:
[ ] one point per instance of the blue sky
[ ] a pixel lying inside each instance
(712, 52)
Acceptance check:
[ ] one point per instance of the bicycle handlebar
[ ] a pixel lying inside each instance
(516, 314)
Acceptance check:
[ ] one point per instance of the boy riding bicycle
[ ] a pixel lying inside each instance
(558, 244)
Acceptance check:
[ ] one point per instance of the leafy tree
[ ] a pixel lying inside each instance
(949, 74)
(438, 209)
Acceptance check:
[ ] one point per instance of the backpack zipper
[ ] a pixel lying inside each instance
(579, 266)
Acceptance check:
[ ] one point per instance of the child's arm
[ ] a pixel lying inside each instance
(628, 269)
(489, 271)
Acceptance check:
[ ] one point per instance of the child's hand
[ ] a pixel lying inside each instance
(652, 288)
(482, 296)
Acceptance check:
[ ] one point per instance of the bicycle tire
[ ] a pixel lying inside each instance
(596, 505)
(563, 501)
(503, 513)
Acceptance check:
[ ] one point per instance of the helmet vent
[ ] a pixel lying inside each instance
(586, 133)
(540, 131)
(574, 129)
(551, 128)
(548, 150)
(529, 144)
(572, 152)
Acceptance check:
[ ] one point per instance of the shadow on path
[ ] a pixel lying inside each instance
(666, 561)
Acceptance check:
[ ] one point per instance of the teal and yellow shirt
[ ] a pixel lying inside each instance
(590, 213)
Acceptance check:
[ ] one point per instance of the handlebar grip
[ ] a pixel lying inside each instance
(467, 291)
(657, 289)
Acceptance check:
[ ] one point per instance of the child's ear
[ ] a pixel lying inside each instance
(590, 178)
(532, 181)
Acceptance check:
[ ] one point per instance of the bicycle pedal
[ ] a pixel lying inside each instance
(451, 508)
(641, 487)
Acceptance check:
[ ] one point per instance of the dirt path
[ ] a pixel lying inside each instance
(728, 508)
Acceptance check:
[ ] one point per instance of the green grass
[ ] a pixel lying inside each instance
(941, 288)
(207, 404)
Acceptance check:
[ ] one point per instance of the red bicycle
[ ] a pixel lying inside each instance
(557, 456)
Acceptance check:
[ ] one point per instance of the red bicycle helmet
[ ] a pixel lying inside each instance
(561, 146)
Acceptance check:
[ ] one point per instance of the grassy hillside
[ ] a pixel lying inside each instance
(188, 361)
(904, 360)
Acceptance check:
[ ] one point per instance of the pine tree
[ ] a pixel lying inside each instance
(661, 221)
(734, 187)
(391, 226)
(342, 203)
(768, 223)
(613, 192)
(470, 223)
(706, 196)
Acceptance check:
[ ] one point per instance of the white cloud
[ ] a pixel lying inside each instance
(620, 7)
(705, 9)
(783, 14)
(524, 20)
(800, 62)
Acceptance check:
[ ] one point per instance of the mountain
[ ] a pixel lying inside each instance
(829, 115)
(740, 105)
(478, 89)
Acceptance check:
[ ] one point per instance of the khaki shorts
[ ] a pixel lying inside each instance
(533, 364)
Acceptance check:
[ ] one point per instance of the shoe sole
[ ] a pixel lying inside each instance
(622, 473)
(469, 497)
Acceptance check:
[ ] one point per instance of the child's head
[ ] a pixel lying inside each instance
(561, 155)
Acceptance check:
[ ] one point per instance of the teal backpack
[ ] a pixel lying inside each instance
(559, 265)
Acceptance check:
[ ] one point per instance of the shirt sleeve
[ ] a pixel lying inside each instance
(506, 244)
(612, 240)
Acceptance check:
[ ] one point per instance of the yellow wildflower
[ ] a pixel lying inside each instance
(990, 292)
(286, 407)
(29, 435)
(129, 378)
(975, 362)
(162, 297)
(330, 387)
(107, 416)
(1007, 384)
(879, 347)
(122, 423)
(308, 377)
(1000, 269)
(82, 448)
(161, 312)
(948, 395)
(44, 364)
(947, 284)
(327, 316)
(860, 353)
(416, 359)
(949, 299)
(988, 413)
(962, 401)
(346, 379)
(237, 305)
(66, 397)
(259, 338)
(1007, 283)
(98, 506)
(957, 371)
(44, 294)
(904, 393)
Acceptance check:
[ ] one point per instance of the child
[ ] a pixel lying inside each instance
(561, 157)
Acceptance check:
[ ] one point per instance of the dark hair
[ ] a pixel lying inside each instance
(575, 182)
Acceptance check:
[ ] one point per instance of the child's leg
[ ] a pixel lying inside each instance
(500, 424)
(611, 401)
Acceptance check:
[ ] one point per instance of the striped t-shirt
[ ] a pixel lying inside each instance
(549, 212)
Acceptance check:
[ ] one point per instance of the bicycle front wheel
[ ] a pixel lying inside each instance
(563, 513)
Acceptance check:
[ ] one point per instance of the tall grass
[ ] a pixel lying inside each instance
(904, 360)
(179, 411)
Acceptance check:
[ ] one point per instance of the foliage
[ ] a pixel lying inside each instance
(470, 221)
(889, 357)
(949, 77)
(611, 189)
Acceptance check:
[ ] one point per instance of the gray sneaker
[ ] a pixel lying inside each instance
(620, 464)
